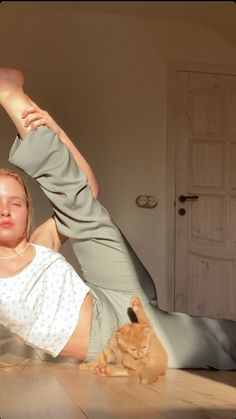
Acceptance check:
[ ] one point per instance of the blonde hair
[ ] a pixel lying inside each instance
(15, 175)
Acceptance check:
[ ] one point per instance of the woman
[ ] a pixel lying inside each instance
(111, 271)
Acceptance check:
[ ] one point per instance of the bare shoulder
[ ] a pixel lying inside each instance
(46, 234)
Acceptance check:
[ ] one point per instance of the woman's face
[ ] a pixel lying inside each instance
(13, 210)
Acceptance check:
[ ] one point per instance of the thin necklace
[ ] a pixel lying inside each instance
(15, 254)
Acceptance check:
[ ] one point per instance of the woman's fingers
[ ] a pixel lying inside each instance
(35, 117)
(28, 110)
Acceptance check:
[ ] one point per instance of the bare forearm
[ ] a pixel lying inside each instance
(80, 160)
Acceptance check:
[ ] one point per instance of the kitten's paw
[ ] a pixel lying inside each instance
(144, 381)
(148, 380)
(101, 369)
(84, 366)
(129, 365)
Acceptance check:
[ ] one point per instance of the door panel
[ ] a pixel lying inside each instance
(205, 231)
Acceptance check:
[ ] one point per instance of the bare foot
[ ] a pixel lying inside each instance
(11, 80)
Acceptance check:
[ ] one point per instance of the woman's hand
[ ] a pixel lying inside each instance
(36, 117)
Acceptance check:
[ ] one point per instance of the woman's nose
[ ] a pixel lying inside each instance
(4, 211)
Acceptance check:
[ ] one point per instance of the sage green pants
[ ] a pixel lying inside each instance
(110, 267)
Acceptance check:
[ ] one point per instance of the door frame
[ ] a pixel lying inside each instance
(172, 69)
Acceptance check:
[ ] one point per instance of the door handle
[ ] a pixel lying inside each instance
(183, 198)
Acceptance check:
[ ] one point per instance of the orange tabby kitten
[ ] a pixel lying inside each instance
(134, 349)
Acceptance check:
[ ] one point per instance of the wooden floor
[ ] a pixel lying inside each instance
(43, 390)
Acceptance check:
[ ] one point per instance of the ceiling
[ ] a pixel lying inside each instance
(218, 15)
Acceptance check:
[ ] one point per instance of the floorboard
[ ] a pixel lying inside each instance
(46, 390)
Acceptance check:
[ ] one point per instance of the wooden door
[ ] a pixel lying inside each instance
(205, 201)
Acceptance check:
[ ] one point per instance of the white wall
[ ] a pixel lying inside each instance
(104, 78)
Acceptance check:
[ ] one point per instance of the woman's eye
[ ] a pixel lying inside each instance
(16, 204)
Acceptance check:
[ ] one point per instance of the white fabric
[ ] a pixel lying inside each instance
(42, 303)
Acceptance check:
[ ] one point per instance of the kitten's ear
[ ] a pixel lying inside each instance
(147, 331)
(132, 316)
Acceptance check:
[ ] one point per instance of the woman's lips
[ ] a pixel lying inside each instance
(6, 224)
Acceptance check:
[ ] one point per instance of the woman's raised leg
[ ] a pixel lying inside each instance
(13, 98)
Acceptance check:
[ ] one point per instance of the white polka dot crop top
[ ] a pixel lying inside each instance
(41, 304)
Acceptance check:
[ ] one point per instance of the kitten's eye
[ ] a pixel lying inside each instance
(133, 349)
(144, 347)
